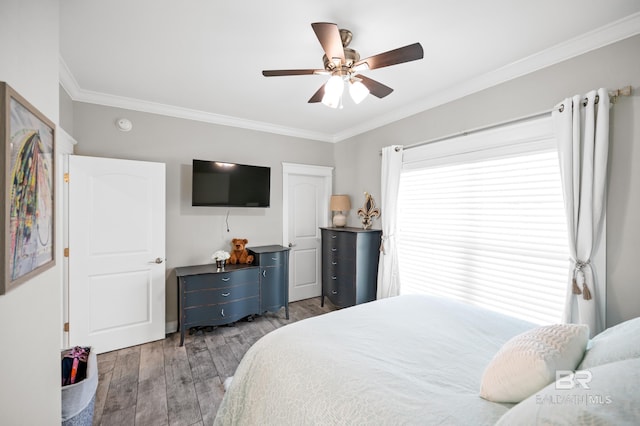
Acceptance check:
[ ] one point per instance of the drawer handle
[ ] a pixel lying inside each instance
(333, 249)
(226, 294)
(226, 279)
(222, 312)
(334, 278)
(334, 292)
(334, 263)
(274, 258)
(264, 273)
(334, 236)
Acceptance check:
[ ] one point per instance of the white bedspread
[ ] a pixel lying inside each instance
(411, 360)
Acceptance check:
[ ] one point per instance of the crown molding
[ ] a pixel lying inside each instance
(67, 80)
(595, 39)
(78, 94)
(600, 37)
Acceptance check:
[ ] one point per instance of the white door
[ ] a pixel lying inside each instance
(306, 194)
(116, 252)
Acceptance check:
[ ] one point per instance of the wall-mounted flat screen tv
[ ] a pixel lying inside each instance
(217, 183)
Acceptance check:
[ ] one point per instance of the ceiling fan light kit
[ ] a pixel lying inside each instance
(344, 65)
(358, 91)
(333, 92)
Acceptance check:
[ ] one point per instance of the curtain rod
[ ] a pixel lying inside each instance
(613, 97)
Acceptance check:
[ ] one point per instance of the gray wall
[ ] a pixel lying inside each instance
(30, 314)
(357, 159)
(194, 233)
(66, 111)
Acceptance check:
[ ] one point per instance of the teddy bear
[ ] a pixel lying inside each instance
(239, 253)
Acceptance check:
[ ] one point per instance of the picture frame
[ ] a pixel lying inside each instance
(27, 189)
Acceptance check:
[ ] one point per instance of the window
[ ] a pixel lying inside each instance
(481, 219)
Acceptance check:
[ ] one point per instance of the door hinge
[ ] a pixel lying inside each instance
(66, 252)
(66, 177)
(66, 326)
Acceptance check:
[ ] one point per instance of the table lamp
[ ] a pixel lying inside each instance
(338, 205)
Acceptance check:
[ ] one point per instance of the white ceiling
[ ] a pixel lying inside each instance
(202, 59)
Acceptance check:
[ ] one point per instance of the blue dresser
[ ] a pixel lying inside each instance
(350, 265)
(208, 296)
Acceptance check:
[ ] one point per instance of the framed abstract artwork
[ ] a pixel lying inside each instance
(27, 190)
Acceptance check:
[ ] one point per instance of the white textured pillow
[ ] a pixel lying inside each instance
(528, 362)
(614, 344)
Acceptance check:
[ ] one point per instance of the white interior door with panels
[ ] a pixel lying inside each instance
(116, 252)
(306, 193)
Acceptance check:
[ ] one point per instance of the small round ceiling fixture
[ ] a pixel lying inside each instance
(124, 124)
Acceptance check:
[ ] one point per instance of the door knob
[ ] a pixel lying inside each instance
(159, 260)
(291, 245)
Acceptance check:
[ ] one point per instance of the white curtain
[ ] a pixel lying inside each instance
(581, 124)
(388, 279)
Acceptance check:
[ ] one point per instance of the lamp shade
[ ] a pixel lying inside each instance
(340, 203)
(358, 91)
(333, 92)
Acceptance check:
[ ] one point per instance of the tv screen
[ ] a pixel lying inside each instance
(230, 185)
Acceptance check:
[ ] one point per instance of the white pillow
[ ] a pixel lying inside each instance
(609, 397)
(614, 344)
(528, 362)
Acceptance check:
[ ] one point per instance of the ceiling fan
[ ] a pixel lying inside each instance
(344, 66)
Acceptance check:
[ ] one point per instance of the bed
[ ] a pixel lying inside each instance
(404, 360)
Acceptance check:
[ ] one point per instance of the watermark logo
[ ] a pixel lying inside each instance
(578, 381)
(567, 379)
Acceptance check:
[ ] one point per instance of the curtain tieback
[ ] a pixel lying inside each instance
(384, 238)
(578, 278)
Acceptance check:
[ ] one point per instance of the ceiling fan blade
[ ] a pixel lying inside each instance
(375, 88)
(317, 97)
(277, 73)
(408, 53)
(329, 37)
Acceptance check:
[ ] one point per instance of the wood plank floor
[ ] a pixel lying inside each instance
(161, 383)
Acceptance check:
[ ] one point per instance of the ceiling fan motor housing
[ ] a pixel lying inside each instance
(350, 55)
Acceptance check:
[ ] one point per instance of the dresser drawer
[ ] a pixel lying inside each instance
(271, 259)
(223, 313)
(341, 266)
(219, 280)
(220, 295)
(338, 244)
(339, 293)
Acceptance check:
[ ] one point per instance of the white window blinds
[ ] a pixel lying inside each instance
(481, 219)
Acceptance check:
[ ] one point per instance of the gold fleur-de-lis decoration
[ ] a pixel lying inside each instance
(369, 211)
